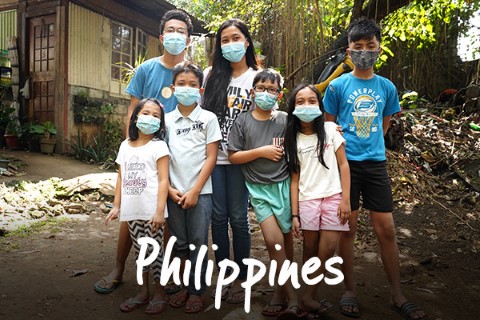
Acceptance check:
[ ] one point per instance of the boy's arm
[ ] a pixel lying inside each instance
(158, 218)
(344, 209)
(294, 202)
(113, 214)
(190, 198)
(386, 124)
(330, 117)
(271, 152)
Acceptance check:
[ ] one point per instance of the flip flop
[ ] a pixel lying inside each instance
(235, 297)
(172, 288)
(224, 292)
(151, 309)
(267, 313)
(349, 302)
(195, 306)
(325, 307)
(131, 304)
(292, 313)
(406, 309)
(179, 299)
(106, 286)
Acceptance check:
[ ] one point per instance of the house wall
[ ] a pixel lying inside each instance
(8, 27)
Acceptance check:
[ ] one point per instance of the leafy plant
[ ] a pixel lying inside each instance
(410, 100)
(47, 129)
(128, 71)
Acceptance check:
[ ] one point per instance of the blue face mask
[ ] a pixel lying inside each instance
(147, 124)
(174, 42)
(187, 96)
(234, 51)
(265, 101)
(307, 113)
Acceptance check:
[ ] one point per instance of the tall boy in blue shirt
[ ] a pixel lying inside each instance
(363, 103)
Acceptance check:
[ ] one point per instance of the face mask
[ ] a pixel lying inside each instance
(187, 95)
(364, 59)
(148, 124)
(265, 101)
(234, 52)
(307, 113)
(174, 43)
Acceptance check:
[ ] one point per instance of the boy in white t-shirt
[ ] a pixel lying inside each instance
(193, 136)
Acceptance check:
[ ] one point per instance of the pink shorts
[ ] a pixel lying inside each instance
(321, 214)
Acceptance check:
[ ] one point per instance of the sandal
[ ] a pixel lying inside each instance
(349, 302)
(224, 292)
(172, 288)
(406, 309)
(323, 309)
(292, 313)
(179, 299)
(269, 310)
(235, 297)
(105, 285)
(156, 307)
(132, 304)
(194, 306)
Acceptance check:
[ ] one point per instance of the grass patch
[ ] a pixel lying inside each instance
(27, 230)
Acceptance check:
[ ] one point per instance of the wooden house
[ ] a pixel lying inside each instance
(75, 48)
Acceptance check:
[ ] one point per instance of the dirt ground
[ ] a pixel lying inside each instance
(440, 264)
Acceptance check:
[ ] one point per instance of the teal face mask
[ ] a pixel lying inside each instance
(147, 124)
(265, 101)
(187, 96)
(174, 42)
(307, 113)
(234, 51)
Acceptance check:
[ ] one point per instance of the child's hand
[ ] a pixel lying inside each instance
(174, 194)
(272, 152)
(344, 211)
(339, 129)
(189, 199)
(296, 228)
(112, 215)
(157, 222)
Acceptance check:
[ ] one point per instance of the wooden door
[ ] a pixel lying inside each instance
(42, 68)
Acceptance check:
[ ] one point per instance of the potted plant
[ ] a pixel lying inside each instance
(11, 136)
(48, 140)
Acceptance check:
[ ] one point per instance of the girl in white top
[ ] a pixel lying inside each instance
(143, 177)
(320, 187)
(227, 94)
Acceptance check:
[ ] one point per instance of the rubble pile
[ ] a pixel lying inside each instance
(438, 159)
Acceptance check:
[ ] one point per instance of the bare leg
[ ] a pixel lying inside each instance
(384, 229)
(345, 248)
(124, 245)
(325, 250)
(273, 236)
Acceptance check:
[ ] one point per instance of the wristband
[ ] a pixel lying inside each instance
(295, 216)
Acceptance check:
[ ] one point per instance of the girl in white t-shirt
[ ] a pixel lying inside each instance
(143, 177)
(320, 187)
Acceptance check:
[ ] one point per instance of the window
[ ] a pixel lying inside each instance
(142, 41)
(122, 37)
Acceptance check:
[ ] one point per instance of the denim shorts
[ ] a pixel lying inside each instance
(370, 180)
(272, 199)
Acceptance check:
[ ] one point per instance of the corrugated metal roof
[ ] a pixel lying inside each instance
(156, 8)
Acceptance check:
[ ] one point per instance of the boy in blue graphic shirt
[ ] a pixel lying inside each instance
(362, 103)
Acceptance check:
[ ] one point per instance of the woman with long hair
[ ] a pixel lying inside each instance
(227, 94)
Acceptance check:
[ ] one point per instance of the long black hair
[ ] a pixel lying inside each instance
(215, 96)
(293, 127)
(132, 127)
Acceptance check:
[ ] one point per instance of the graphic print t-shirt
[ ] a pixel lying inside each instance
(140, 179)
(239, 100)
(315, 180)
(153, 80)
(360, 106)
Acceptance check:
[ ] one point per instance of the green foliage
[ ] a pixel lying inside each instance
(47, 129)
(411, 100)
(128, 71)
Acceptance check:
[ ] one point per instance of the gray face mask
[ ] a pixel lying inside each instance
(364, 59)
